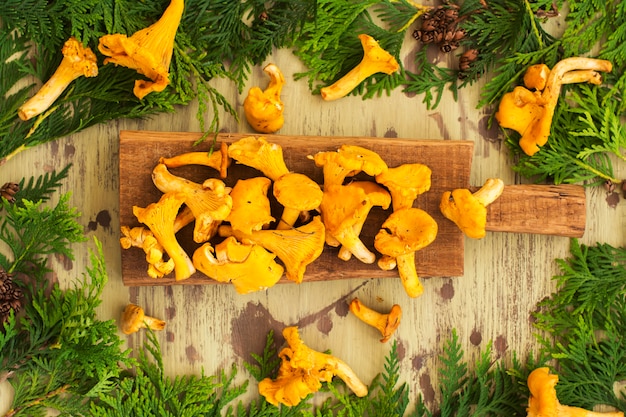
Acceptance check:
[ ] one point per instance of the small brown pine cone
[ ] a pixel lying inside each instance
(9, 190)
(10, 295)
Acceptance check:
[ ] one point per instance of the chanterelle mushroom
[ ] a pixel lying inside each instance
(160, 217)
(297, 193)
(530, 113)
(264, 108)
(405, 183)
(218, 160)
(260, 154)
(248, 267)
(296, 248)
(469, 211)
(148, 51)
(386, 323)
(142, 237)
(344, 210)
(543, 401)
(302, 372)
(375, 59)
(376, 196)
(403, 233)
(209, 202)
(134, 318)
(251, 206)
(347, 161)
(77, 61)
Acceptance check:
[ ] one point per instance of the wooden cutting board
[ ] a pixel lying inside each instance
(525, 209)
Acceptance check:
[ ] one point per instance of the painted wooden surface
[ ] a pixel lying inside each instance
(209, 327)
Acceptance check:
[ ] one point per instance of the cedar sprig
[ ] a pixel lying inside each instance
(42, 187)
(332, 55)
(32, 231)
(58, 352)
(430, 80)
(275, 25)
(388, 396)
(148, 391)
(326, 43)
(583, 324)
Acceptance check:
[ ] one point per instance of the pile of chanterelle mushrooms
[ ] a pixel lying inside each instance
(255, 249)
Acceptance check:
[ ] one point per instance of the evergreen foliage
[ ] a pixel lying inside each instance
(225, 39)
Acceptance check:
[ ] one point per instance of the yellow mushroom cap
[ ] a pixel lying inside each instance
(296, 193)
(258, 153)
(347, 161)
(404, 231)
(251, 207)
(543, 401)
(386, 323)
(405, 183)
(77, 61)
(248, 267)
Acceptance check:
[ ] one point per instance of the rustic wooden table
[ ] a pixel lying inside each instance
(210, 326)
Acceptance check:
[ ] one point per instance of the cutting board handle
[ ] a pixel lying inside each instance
(558, 210)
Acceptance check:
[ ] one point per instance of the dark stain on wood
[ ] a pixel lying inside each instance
(500, 345)
(325, 324)
(192, 354)
(170, 337)
(103, 218)
(612, 199)
(447, 291)
(250, 329)
(476, 337)
(65, 261)
(391, 133)
(418, 362)
(490, 133)
(401, 350)
(426, 387)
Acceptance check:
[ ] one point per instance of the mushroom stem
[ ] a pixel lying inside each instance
(490, 191)
(218, 160)
(385, 323)
(408, 275)
(375, 59)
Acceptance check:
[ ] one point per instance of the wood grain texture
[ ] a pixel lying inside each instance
(558, 210)
(450, 162)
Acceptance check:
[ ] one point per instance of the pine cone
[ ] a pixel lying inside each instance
(440, 26)
(10, 295)
(8, 191)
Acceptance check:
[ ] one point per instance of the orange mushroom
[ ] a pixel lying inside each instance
(134, 318)
(302, 372)
(386, 323)
(148, 51)
(375, 59)
(264, 108)
(78, 61)
(529, 112)
(543, 401)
